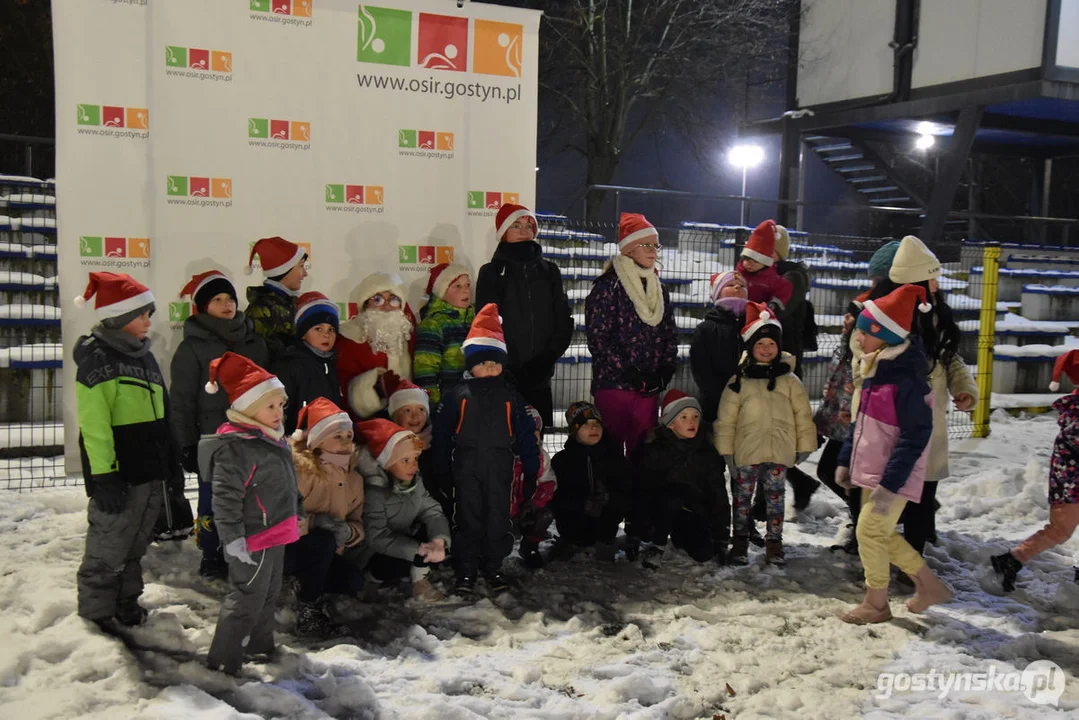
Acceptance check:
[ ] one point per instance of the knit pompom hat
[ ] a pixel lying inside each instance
(881, 262)
(204, 287)
(580, 413)
(674, 402)
(314, 308)
(913, 262)
(485, 340)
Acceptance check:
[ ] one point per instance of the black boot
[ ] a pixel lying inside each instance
(214, 567)
(754, 535)
(465, 585)
(130, 613)
(804, 487)
(530, 555)
(312, 621)
(1008, 568)
(496, 581)
(739, 554)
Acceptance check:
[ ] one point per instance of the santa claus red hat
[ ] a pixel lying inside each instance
(674, 402)
(244, 381)
(1066, 364)
(509, 214)
(318, 420)
(485, 339)
(402, 391)
(203, 287)
(762, 243)
(444, 275)
(760, 323)
(117, 294)
(276, 255)
(890, 317)
(384, 439)
(634, 229)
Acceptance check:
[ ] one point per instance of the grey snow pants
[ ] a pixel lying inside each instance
(246, 623)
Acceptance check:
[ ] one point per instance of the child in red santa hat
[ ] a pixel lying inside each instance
(757, 266)
(272, 304)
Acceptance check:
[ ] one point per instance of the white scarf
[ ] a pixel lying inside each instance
(647, 298)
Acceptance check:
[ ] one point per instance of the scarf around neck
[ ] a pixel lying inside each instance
(337, 460)
(735, 304)
(231, 331)
(643, 287)
(239, 418)
(122, 341)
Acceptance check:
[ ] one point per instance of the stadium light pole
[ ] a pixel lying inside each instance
(745, 157)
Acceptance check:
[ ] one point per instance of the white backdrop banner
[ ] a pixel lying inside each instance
(381, 137)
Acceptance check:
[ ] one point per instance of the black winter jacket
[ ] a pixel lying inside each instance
(793, 317)
(196, 412)
(589, 473)
(713, 356)
(536, 316)
(306, 377)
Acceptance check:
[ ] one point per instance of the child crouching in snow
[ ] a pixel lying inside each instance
(1063, 480)
(256, 506)
(680, 486)
(332, 491)
(888, 448)
(533, 522)
(765, 426)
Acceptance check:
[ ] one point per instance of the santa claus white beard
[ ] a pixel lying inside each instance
(385, 332)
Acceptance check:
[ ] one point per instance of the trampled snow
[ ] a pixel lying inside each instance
(580, 639)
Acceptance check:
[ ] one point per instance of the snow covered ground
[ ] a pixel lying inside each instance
(579, 639)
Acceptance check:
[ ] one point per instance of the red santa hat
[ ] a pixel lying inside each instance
(674, 402)
(1066, 364)
(485, 339)
(760, 323)
(509, 214)
(444, 275)
(244, 381)
(117, 294)
(890, 317)
(320, 418)
(634, 229)
(762, 243)
(277, 256)
(402, 391)
(384, 439)
(203, 287)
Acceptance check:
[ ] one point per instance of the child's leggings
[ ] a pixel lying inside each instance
(880, 546)
(771, 478)
(1062, 522)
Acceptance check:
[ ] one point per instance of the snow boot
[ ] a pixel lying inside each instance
(804, 487)
(846, 540)
(719, 549)
(739, 554)
(873, 609)
(904, 583)
(130, 613)
(631, 547)
(530, 555)
(312, 621)
(929, 590)
(422, 589)
(773, 553)
(651, 555)
(213, 567)
(496, 582)
(1008, 568)
(465, 585)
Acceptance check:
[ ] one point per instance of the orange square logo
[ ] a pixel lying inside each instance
(138, 248)
(307, 249)
(138, 118)
(373, 194)
(221, 188)
(443, 254)
(221, 61)
(511, 198)
(444, 141)
(300, 131)
(301, 8)
(496, 48)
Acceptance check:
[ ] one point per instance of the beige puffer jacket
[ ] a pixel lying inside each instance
(761, 426)
(953, 379)
(330, 489)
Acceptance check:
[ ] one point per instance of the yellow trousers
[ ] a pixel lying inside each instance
(880, 546)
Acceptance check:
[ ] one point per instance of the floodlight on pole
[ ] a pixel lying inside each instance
(924, 142)
(745, 157)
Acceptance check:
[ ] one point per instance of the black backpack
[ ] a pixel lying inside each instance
(809, 330)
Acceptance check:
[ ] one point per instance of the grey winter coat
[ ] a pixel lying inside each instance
(195, 412)
(393, 519)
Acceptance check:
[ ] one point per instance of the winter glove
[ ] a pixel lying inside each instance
(801, 458)
(634, 378)
(882, 499)
(341, 530)
(654, 383)
(110, 494)
(189, 459)
(842, 478)
(238, 549)
(731, 467)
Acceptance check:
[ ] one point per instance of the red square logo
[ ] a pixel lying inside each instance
(198, 187)
(282, 7)
(426, 139)
(354, 194)
(112, 116)
(115, 247)
(198, 59)
(279, 129)
(443, 42)
(426, 255)
(353, 310)
(493, 200)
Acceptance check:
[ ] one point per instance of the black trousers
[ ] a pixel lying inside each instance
(826, 468)
(483, 534)
(688, 529)
(313, 560)
(920, 519)
(577, 527)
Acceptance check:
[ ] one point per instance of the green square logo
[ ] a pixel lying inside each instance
(385, 36)
(177, 185)
(179, 311)
(260, 5)
(335, 193)
(406, 254)
(91, 247)
(258, 128)
(175, 56)
(475, 199)
(89, 114)
(406, 138)
(342, 310)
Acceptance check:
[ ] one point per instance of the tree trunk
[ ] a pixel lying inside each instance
(601, 167)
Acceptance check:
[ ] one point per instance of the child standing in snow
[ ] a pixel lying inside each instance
(308, 368)
(127, 451)
(680, 486)
(482, 426)
(765, 426)
(1063, 480)
(534, 519)
(257, 506)
(887, 452)
(271, 305)
(439, 363)
(757, 266)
